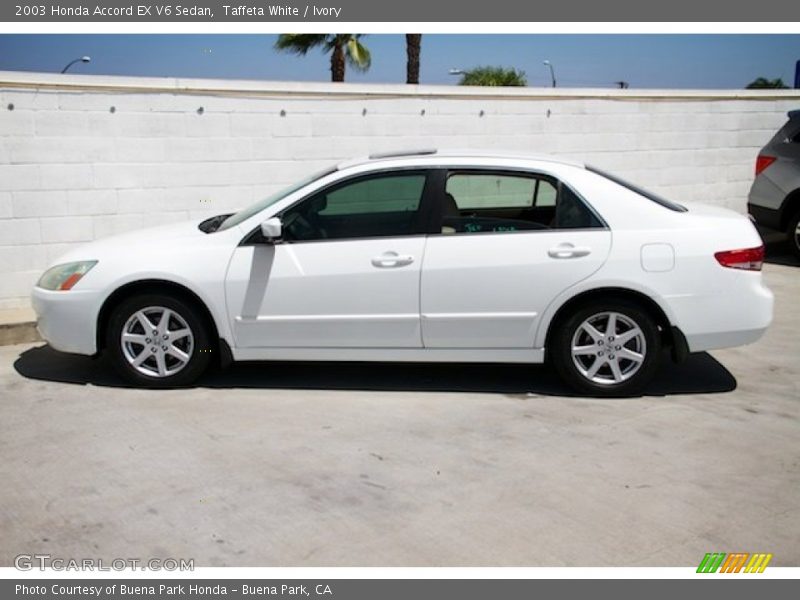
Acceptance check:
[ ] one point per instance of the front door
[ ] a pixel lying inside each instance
(346, 274)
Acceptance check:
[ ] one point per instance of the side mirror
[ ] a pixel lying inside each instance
(272, 229)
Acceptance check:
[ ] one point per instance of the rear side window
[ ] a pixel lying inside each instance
(503, 202)
(792, 127)
(642, 192)
(491, 191)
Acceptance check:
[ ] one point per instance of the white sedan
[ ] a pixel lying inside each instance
(425, 256)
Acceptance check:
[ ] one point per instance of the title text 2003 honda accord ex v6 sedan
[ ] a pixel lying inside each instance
(421, 257)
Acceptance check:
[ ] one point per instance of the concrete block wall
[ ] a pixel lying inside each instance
(85, 157)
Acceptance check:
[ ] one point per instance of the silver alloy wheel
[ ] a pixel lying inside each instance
(157, 341)
(797, 235)
(608, 348)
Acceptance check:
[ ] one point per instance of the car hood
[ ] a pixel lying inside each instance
(125, 243)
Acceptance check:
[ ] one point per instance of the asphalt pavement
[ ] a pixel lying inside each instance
(312, 464)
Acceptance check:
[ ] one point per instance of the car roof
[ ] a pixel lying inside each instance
(434, 156)
(794, 114)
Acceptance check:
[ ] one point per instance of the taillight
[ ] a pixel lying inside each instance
(748, 259)
(763, 161)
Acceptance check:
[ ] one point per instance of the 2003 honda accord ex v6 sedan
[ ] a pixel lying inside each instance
(421, 256)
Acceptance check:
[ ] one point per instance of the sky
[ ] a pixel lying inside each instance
(677, 61)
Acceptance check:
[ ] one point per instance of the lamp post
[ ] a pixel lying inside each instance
(461, 72)
(547, 63)
(83, 59)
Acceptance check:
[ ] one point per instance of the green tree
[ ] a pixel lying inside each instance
(344, 48)
(413, 49)
(762, 83)
(494, 76)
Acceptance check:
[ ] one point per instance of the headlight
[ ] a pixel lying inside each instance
(63, 277)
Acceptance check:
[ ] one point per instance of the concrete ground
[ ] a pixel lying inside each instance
(18, 325)
(406, 465)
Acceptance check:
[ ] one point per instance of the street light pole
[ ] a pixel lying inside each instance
(547, 63)
(461, 72)
(83, 59)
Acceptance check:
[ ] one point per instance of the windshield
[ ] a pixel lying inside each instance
(256, 208)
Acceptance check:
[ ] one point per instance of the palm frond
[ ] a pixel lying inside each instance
(358, 55)
(299, 43)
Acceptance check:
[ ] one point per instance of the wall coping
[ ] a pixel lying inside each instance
(240, 87)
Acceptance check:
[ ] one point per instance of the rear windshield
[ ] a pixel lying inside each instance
(642, 192)
(793, 130)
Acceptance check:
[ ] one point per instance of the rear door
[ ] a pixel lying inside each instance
(507, 243)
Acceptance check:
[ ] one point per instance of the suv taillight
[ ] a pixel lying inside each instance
(762, 162)
(748, 259)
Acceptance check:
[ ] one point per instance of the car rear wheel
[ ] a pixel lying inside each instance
(607, 349)
(158, 341)
(794, 234)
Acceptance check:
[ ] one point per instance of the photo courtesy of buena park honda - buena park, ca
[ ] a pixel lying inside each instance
(503, 306)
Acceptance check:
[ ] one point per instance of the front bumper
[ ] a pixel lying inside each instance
(67, 320)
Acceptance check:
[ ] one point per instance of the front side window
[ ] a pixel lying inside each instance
(488, 202)
(372, 206)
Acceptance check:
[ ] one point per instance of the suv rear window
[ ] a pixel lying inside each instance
(642, 192)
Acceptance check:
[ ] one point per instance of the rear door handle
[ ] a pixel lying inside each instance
(389, 260)
(568, 250)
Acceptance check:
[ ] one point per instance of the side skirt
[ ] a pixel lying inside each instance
(493, 355)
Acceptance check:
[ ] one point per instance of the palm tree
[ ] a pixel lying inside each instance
(343, 47)
(413, 48)
(763, 83)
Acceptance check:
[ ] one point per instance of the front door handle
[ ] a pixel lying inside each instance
(568, 250)
(388, 260)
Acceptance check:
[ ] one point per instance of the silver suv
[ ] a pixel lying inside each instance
(774, 200)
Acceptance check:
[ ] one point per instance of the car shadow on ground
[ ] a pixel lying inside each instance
(776, 246)
(700, 373)
(777, 253)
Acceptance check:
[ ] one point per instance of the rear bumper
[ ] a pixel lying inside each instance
(769, 218)
(67, 320)
(736, 318)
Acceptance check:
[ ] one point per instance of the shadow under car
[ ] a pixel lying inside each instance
(700, 373)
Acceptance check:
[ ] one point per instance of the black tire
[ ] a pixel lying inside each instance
(182, 316)
(633, 378)
(793, 235)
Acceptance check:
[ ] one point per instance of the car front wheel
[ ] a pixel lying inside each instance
(158, 341)
(607, 349)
